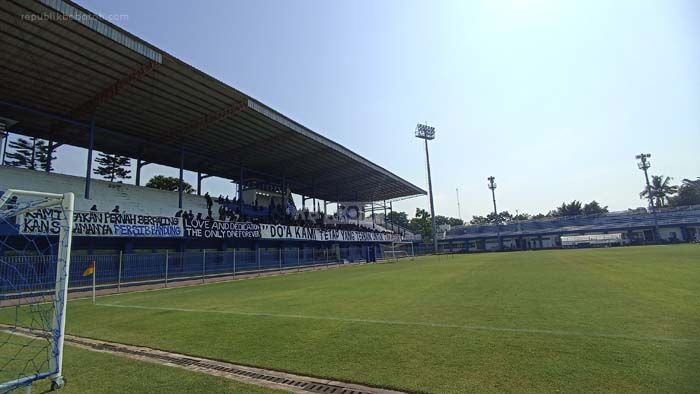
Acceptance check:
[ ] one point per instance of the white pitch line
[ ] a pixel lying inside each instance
(418, 324)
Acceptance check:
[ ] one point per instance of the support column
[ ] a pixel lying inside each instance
(391, 209)
(385, 217)
(6, 137)
(49, 157)
(91, 144)
(139, 164)
(240, 191)
(200, 178)
(181, 185)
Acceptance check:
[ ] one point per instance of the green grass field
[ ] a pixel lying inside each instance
(92, 372)
(598, 320)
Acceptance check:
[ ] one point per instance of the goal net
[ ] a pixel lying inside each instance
(34, 267)
(397, 250)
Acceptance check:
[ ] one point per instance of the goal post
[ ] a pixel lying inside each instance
(398, 250)
(34, 274)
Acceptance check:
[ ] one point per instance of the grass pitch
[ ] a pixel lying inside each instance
(598, 320)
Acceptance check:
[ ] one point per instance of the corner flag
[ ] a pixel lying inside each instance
(90, 270)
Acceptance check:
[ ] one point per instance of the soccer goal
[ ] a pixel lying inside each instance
(398, 250)
(35, 243)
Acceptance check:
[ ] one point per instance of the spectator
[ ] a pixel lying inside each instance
(210, 203)
(199, 216)
(178, 214)
(93, 207)
(116, 209)
(190, 215)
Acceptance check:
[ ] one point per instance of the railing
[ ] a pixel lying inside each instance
(35, 275)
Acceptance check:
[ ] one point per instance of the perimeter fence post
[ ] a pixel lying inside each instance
(258, 256)
(204, 263)
(234, 263)
(280, 260)
(119, 274)
(326, 257)
(298, 260)
(167, 257)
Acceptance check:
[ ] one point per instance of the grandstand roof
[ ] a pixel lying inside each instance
(61, 72)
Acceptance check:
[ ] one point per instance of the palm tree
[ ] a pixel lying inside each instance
(661, 189)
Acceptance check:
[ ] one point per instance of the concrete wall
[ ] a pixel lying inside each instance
(130, 198)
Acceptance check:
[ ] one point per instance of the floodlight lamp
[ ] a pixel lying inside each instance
(425, 132)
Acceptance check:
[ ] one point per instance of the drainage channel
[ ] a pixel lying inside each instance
(257, 376)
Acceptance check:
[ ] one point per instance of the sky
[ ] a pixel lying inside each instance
(553, 98)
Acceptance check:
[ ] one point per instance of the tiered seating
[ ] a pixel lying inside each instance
(130, 198)
(603, 222)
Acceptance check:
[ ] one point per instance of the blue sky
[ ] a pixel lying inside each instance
(553, 98)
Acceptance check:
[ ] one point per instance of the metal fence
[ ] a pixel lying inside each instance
(118, 272)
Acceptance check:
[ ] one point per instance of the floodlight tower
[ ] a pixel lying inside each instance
(459, 208)
(644, 164)
(425, 132)
(492, 186)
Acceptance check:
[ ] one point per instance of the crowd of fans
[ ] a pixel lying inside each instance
(229, 210)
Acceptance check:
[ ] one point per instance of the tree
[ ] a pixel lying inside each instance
(422, 224)
(42, 157)
(398, 218)
(455, 222)
(688, 193)
(571, 209)
(521, 217)
(442, 220)
(594, 208)
(478, 220)
(170, 183)
(112, 167)
(491, 218)
(661, 189)
(30, 154)
(24, 154)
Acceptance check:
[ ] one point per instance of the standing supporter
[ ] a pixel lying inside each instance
(210, 203)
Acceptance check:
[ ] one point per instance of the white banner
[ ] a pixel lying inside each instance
(351, 211)
(101, 224)
(281, 232)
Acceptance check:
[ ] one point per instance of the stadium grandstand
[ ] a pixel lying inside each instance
(126, 97)
(673, 225)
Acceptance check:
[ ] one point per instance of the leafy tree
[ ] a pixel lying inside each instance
(538, 216)
(112, 167)
(422, 224)
(170, 183)
(503, 217)
(521, 217)
(688, 193)
(661, 189)
(442, 220)
(455, 222)
(399, 218)
(479, 220)
(594, 208)
(571, 209)
(491, 218)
